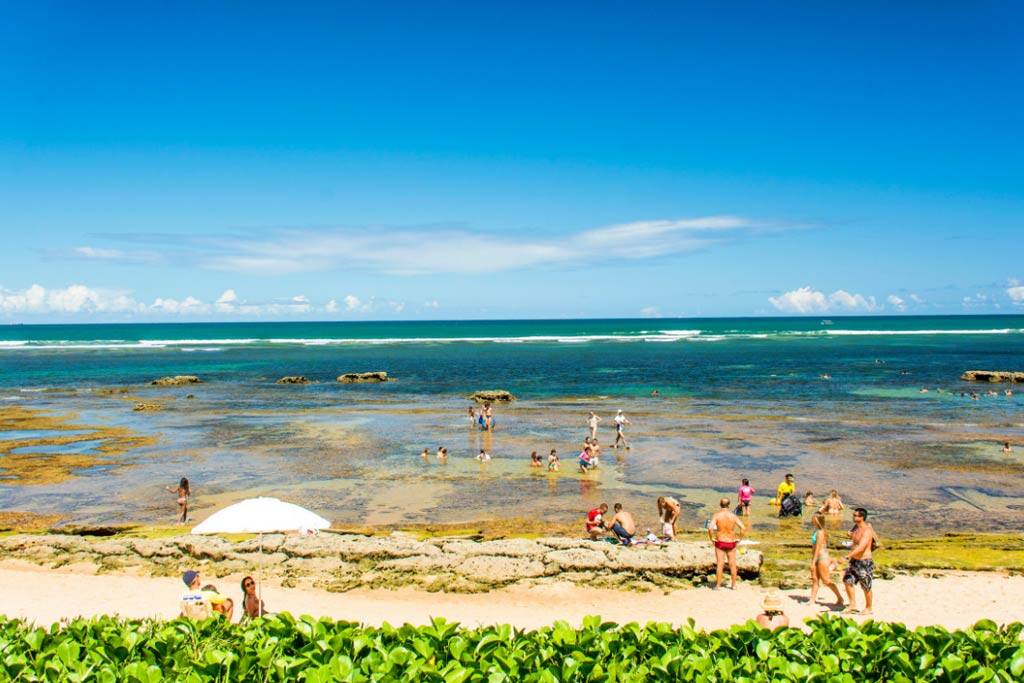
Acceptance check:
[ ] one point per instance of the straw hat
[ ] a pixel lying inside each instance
(772, 602)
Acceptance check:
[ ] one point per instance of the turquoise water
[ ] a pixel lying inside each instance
(736, 397)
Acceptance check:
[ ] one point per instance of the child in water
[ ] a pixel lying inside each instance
(553, 461)
(535, 460)
(483, 456)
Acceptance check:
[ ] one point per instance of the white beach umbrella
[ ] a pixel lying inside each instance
(260, 516)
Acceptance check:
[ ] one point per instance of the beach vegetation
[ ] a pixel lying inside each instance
(285, 648)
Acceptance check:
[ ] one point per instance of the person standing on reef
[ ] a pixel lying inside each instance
(786, 488)
(860, 568)
(183, 491)
(592, 424)
(620, 436)
(724, 530)
(489, 417)
(746, 494)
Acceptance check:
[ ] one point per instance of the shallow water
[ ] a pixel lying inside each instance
(749, 402)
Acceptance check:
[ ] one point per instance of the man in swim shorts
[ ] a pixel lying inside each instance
(595, 521)
(724, 530)
(861, 566)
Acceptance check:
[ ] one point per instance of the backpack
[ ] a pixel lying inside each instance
(790, 507)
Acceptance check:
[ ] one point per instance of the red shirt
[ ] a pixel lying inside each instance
(594, 519)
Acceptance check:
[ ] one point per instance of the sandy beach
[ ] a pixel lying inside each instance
(952, 600)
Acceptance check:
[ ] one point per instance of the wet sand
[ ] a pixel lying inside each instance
(952, 600)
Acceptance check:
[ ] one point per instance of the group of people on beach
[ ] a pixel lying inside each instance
(725, 530)
(202, 602)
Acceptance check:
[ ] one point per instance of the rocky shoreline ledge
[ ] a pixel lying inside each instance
(341, 562)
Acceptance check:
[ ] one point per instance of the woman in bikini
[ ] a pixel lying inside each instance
(821, 564)
(182, 492)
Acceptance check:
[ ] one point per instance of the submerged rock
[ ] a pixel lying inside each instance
(489, 395)
(361, 377)
(992, 376)
(143, 407)
(176, 381)
(293, 379)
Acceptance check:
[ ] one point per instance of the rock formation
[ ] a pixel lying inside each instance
(992, 376)
(293, 379)
(342, 562)
(176, 381)
(362, 377)
(492, 395)
(143, 407)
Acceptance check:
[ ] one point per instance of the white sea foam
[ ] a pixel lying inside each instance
(642, 336)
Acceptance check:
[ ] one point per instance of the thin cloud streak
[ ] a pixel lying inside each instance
(431, 249)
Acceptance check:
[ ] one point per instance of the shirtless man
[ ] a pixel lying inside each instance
(861, 567)
(592, 424)
(622, 525)
(724, 530)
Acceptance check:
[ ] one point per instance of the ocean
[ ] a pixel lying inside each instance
(840, 401)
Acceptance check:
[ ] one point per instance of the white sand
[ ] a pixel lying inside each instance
(954, 600)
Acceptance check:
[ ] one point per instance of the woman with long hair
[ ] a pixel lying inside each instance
(183, 492)
(821, 564)
(252, 606)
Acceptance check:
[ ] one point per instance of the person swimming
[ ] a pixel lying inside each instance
(535, 460)
(1007, 449)
(425, 454)
(442, 454)
(483, 456)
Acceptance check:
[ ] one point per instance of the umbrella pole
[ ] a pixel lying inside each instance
(259, 576)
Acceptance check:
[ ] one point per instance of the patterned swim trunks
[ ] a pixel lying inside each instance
(860, 572)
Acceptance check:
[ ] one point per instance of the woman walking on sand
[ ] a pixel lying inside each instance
(183, 492)
(821, 564)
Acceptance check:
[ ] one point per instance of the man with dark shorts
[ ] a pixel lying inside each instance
(724, 530)
(622, 525)
(861, 568)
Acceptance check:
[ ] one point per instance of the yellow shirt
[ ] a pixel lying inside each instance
(785, 489)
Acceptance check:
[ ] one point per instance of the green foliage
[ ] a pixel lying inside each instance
(283, 648)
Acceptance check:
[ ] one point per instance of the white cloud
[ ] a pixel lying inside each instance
(187, 306)
(650, 311)
(331, 306)
(916, 299)
(978, 299)
(803, 300)
(72, 299)
(226, 302)
(102, 254)
(431, 250)
(433, 303)
(807, 300)
(1015, 290)
(352, 303)
(897, 303)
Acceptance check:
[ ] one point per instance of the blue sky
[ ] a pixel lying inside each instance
(177, 161)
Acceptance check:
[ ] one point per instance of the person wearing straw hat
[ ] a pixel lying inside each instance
(771, 616)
